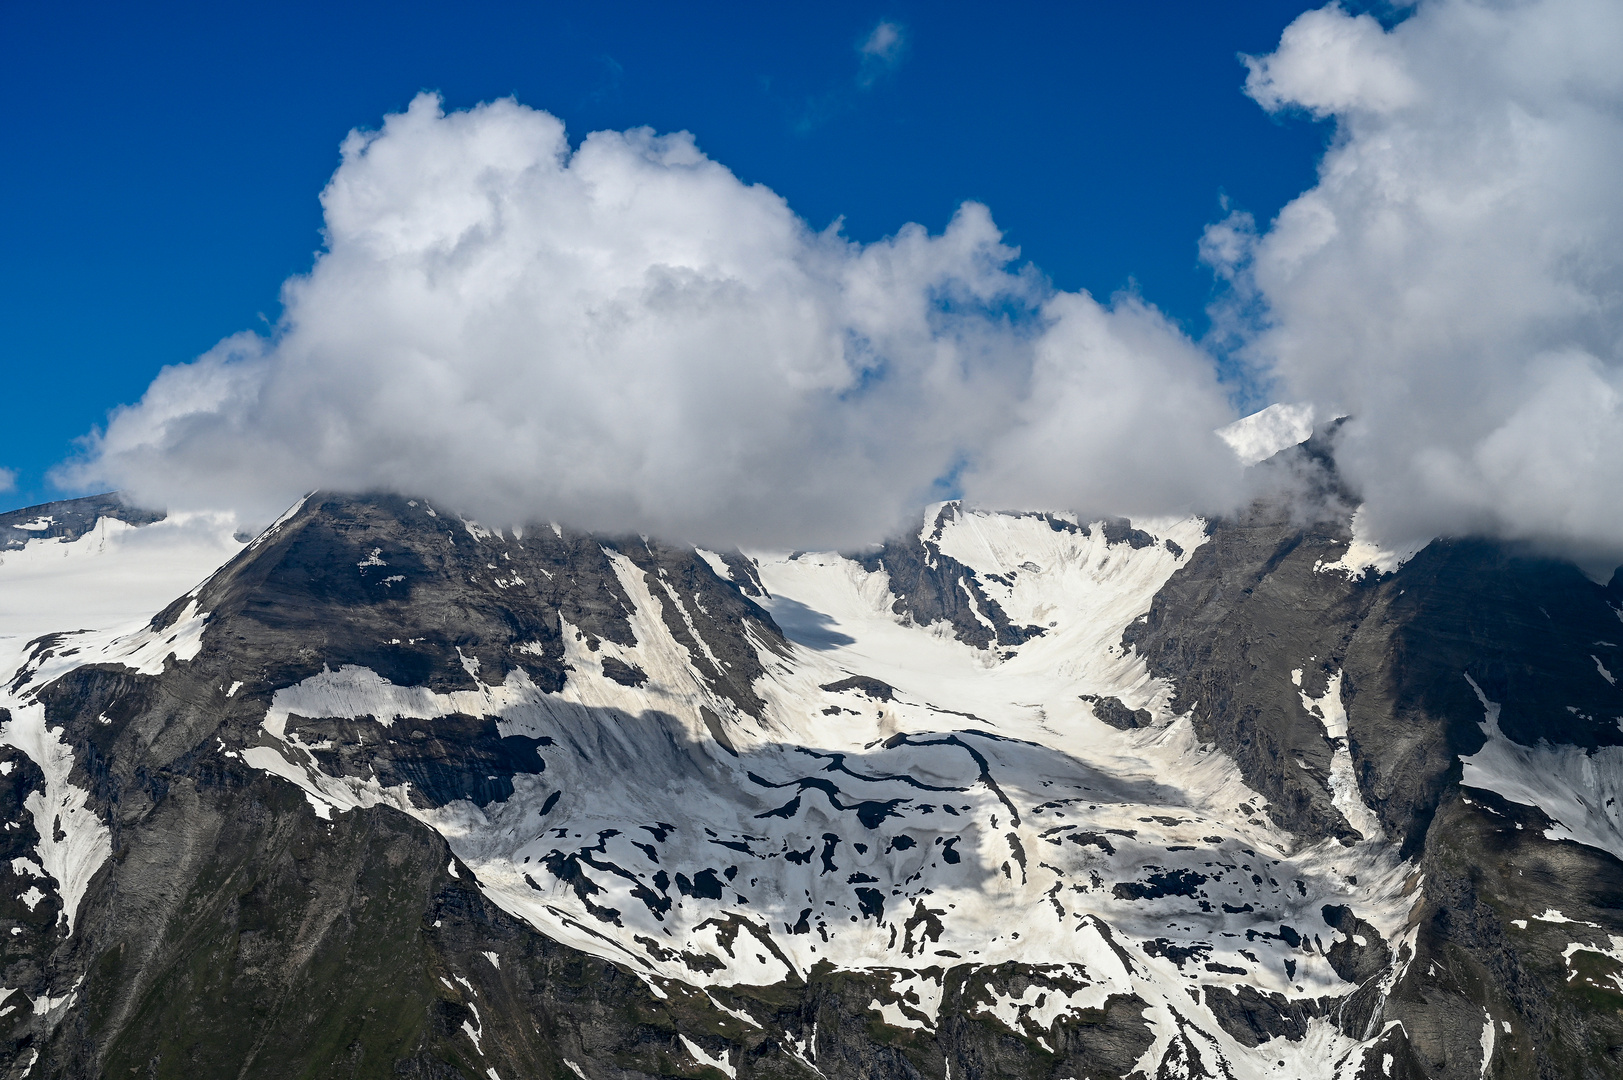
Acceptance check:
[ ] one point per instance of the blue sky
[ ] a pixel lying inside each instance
(164, 161)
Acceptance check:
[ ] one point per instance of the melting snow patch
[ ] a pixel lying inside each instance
(495, 961)
(45, 1004)
(73, 841)
(1603, 975)
(1344, 791)
(1363, 554)
(1551, 915)
(1578, 790)
(716, 563)
(1600, 667)
(1054, 993)
(914, 1002)
(699, 1054)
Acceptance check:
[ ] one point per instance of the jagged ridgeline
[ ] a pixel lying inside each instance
(393, 794)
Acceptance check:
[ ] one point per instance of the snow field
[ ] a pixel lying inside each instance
(982, 815)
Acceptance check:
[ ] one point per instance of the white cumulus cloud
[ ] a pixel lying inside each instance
(1329, 62)
(1454, 280)
(624, 336)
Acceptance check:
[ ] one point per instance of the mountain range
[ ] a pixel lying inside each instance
(384, 792)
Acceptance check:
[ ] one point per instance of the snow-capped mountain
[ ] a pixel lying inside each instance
(386, 792)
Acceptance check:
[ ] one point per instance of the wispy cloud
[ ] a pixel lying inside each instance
(881, 52)
(8, 480)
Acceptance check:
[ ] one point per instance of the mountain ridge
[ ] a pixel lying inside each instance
(593, 758)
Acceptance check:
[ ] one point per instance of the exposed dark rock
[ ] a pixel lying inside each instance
(1361, 953)
(932, 587)
(1121, 531)
(742, 570)
(1252, 605)
(1254, 1017)
(1161, 883)
(68, 519)
(623, 673)
(874, 688)
(1117, 715)
(443, 759)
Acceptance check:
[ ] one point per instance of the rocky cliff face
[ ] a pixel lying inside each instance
(392, 794)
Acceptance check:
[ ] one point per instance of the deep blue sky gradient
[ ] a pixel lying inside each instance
(163, 161)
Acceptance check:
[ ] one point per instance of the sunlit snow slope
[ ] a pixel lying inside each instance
(904, 801)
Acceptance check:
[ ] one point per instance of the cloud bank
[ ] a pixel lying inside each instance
(624, 336)
(1454, 281)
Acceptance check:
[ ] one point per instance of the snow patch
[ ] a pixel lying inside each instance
(1553, 915)
(117, 575)
(704, 1057)
(1578, 790)
(1613, 977)
(1265, 433)
(73, 841)
(1344, 791)
(998, 816)
(1363, 554)
(717, 564)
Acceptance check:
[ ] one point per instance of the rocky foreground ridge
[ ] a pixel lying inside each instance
(392, 794)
